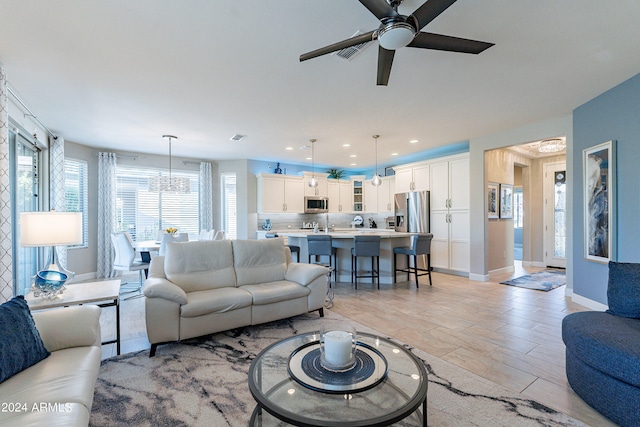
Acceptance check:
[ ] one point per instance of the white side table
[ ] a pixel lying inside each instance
(84, 293)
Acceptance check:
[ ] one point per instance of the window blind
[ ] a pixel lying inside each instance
(229, 213)
(143, 213)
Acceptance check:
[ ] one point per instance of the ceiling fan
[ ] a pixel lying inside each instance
(397, 31)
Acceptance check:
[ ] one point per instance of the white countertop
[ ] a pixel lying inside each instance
(347, 233)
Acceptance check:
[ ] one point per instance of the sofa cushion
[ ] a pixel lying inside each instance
(215, 301)
(20, 342)
(259, 261)
(623, 292)
(608, 343)
(67, 376)
(201, 265)
(268, 293)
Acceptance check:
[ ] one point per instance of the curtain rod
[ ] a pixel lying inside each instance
(17, 98)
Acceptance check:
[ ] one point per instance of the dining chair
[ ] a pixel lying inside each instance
(219, 235)
(124, 259)
(206, 234)
(168, 237)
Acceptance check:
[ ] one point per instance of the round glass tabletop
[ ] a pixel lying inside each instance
(397, 397)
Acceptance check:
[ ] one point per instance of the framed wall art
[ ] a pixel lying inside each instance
(492, 200)
(506, 201)
(598, 165)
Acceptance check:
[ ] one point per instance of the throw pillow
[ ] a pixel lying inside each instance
(20, 342)
(623, 292)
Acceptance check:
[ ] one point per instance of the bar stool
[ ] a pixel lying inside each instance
(319, 245)
(293, 248)
(420, 245)
(368, 246)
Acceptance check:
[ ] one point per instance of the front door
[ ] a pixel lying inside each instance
(555, 214)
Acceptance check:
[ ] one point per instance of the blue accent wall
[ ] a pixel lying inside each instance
(613, 115)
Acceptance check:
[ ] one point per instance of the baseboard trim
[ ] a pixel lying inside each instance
(503, 270)
(479, 277)
(589, 303)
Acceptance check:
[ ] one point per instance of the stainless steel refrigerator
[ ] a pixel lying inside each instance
(412, 212)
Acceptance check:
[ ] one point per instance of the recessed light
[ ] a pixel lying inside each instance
(346, 145)
(289, 148)
(413, 141)
(394, 154)
(353, 156)
(308, 158)
(238, 137)
(353, 164)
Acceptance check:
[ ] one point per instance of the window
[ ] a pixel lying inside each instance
(228, 193)
(143, 213)
(76, 193)
(518, 207)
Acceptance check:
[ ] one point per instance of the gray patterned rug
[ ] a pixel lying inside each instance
(203, 382)
(544, 280)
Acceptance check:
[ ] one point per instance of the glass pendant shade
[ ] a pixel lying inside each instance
(375, 181)
(313, 182)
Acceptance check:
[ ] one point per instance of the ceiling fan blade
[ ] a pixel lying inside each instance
(380, 8)
(430, 11)
(385, 60)
(353, 41)
(452, 44)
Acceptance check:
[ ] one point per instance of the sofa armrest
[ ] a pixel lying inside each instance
(304, 273)
(156, 267)
(156, 287)
(75, 326)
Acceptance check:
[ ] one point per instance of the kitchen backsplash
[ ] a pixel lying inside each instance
(296, 221)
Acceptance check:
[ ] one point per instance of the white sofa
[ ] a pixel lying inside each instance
(57, 391)
(203, 287)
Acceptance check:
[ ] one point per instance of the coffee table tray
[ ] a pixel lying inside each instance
(369, 370)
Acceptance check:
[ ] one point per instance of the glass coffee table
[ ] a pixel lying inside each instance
(393, 392)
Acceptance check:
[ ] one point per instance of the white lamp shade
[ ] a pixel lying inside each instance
(50, 228)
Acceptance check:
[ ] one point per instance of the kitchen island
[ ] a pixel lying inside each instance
(343, 241)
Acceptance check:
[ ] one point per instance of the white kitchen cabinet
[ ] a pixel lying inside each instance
(280, 193)
(320, 190)
(413, 177)
(450, 213)
(340, 193)
(379, 199)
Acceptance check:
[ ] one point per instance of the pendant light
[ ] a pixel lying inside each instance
(375, 181)
(170, 184)
(313, 182)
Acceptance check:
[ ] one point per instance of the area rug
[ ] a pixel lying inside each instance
(544, 280)
(203, 382)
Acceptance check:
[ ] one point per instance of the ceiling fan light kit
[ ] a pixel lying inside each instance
(395, 35)
(397, 31)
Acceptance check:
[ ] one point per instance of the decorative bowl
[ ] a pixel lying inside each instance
(49, 283)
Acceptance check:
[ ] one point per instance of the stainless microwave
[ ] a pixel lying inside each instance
(316, 204)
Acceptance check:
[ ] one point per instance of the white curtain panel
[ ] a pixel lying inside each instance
(107, 163)
(206, 197)
(58, 198)
(6, 254)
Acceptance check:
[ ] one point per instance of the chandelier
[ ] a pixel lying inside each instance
(552, 145)
(170, 183)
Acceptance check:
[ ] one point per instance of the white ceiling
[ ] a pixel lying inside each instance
(119, 74)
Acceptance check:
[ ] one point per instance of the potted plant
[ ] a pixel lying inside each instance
(336, 174)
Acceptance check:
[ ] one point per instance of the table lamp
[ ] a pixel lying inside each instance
(51, 229)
